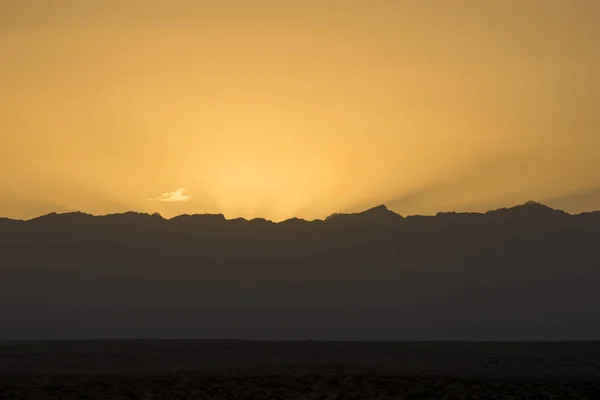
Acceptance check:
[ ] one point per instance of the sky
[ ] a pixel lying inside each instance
(303, 108)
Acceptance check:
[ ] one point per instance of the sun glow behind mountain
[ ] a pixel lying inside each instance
(279, 109)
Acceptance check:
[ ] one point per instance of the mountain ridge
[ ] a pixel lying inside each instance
(499, 275)
(379, 211)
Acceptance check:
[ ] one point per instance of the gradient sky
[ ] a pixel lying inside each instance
(298, 108)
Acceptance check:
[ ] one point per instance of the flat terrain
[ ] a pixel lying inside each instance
(188, 369)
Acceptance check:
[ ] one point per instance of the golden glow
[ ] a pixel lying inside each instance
(298, 108)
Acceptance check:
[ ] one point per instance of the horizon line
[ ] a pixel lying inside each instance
(381, 207)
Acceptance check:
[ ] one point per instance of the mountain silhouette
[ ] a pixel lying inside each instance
(525, 272)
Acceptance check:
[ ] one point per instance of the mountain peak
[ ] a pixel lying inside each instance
(135, 214)
(67, 216)
(377, 209)
(535, 204)
(294, 220)
(529, 210)
(381, 211)
(375, 213)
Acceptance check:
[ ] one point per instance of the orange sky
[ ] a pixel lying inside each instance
(298, 108)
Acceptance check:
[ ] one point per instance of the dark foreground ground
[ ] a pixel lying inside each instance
(183, 369)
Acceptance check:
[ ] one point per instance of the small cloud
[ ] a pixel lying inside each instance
(174, 196)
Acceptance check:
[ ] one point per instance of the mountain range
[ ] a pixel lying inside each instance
(528, 272)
